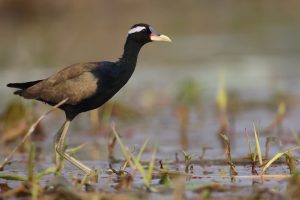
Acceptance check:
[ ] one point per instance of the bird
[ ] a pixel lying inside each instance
(87, 86)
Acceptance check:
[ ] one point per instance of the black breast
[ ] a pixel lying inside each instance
(110, 79)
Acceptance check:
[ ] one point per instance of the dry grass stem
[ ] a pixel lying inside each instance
(29, 132)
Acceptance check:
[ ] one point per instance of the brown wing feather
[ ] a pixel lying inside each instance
(75, 82)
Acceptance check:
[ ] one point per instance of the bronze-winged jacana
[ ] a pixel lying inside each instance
(87, 86)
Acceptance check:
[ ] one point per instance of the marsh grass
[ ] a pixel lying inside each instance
(164, 178)
(222, 103)
(111, 147)
(233, 170)
(15, 121)
(267, 145)
(257, 147)
(134, 161)
(148, 171)
(31, 183)
(289, 157)
(29, 132)
(252, 154)
(32, 178)
(187, 160)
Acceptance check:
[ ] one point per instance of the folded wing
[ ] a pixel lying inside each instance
(75, 83)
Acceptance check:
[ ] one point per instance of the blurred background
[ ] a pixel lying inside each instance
(57, 33)
(253, 46)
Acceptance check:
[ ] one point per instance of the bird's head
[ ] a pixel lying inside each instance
(144, 33)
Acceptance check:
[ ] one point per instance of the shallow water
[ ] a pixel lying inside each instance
(153, 89)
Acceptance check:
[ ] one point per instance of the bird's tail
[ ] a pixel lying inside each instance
(18, 92)
(23, 85)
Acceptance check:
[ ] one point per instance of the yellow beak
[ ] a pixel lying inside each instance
(160, 38)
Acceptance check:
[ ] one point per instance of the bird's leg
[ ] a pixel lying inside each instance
(59, 148)
(57, 157)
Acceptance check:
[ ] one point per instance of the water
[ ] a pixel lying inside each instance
(153, 89)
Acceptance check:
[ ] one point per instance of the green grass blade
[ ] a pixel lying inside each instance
(31, 163)
(123, 148)
(13, 177)
(142, 148)
(49, 170)
(151, 166)
(140, 168)
(221, 97)
(258, 149)
(276, 157)
(134, 161)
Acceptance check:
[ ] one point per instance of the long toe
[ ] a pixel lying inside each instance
(93, 175)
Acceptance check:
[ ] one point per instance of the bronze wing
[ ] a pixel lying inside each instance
(75, 82)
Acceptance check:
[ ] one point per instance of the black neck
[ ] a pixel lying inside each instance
(130, 54)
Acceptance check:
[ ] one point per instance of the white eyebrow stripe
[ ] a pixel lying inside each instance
(136, 29)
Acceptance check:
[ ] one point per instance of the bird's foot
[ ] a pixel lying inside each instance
(93, 175)
(58, 160)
